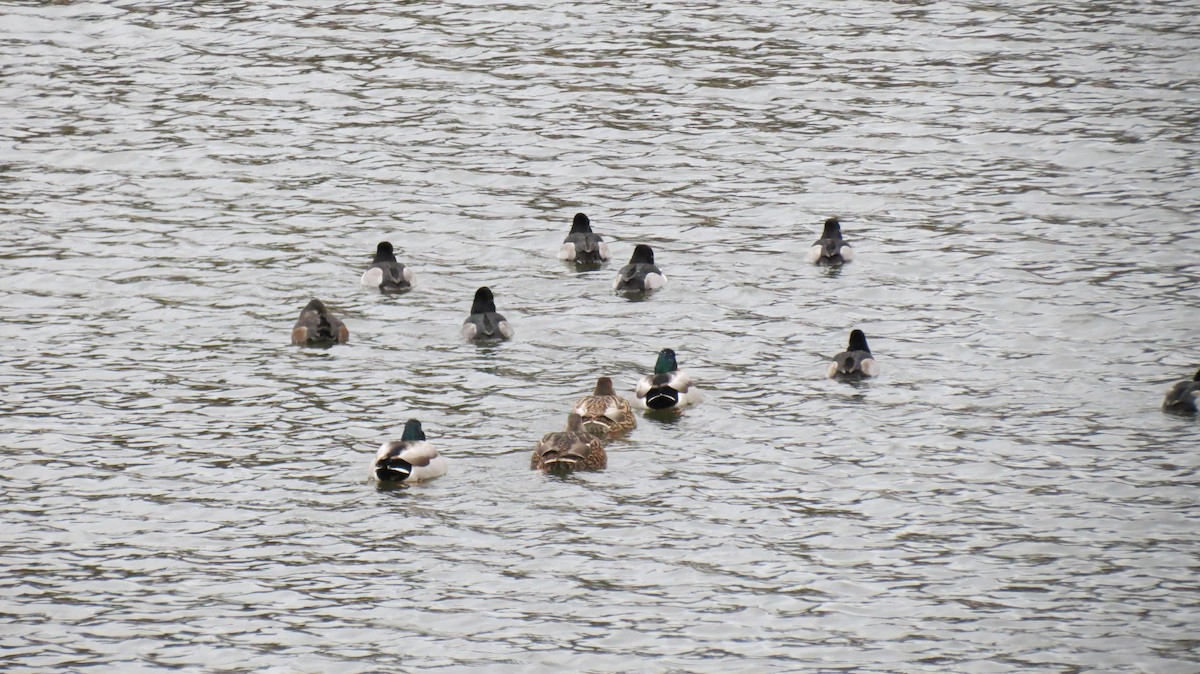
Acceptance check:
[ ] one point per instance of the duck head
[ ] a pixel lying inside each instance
(642, 254)
(384, 252)
(666, 362)
(604, 387)
(484, 302)
(413, 432)
(581, 224)
(858, 341)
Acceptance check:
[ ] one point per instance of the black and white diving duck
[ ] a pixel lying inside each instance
(831, 248)
(856, 362)
(583, 246)
(484, 323)
(385, 273)
(641, 275)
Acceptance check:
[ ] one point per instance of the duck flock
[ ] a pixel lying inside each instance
(604, 414)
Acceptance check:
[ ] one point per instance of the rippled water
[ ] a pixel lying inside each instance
(184, 489)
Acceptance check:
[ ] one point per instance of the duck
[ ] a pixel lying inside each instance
(318, 328)
(583, 246)
(408, 460)
(1183, 397)
(641, 274)
(856, 362)
(830, 248)
(668, 388)
(605, 414)
(484, 323)
(385, 273)
(564, 452)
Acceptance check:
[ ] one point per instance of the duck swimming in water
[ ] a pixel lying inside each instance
(856, 362)
(605, 414)
(317, 327)
(385, 273)
(583, 246)
(1182, 397)
(641, 274)
(565, 452)
(408, 460)
(668, 388)
(830, 248)
(484, 323)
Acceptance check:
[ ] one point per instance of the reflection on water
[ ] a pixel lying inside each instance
(1017, 182)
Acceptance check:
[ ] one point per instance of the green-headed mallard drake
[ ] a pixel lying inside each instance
(641, 274)
(583, 246)
(317, 327)
(484, 323)
(567, 451)
(856, 362)
(668, 388)
(408, 460)
(1182, 398)
(385, 273)
(830, 248)
(605, 414)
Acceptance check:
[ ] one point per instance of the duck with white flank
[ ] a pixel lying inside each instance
(583, 246)
(856, 362)
(385, 273)
(484, 323)
(830, 248)
(641, 274)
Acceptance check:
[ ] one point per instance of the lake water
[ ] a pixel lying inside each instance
(183, 489)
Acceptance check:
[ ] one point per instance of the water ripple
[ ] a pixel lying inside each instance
(179, 181)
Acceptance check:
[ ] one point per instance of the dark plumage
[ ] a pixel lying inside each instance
(641, 274)
(484, 323)
(317, 327)
(582, 245)
(1182, 397)
(856, 361)
(385, 273)
(830, 248)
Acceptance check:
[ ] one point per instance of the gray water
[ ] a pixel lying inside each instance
(183, 489)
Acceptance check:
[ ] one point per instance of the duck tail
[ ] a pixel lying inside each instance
(662, 398)
(600, 425)
(558, 464)
(393, 469)
(325, 328)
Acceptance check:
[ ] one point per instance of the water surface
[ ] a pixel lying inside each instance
(182, 489)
